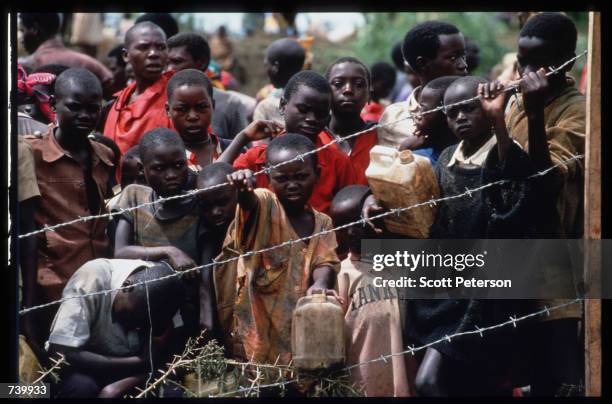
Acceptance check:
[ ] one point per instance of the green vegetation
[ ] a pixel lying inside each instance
(494, 36)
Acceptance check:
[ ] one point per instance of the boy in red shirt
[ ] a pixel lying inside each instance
(351, 85)
(305, 106)
(140, 106)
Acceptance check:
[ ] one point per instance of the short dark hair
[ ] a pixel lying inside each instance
(132, 152)
(554, 27)
(349, 59)
(164, 296)
(189, 77)
(138, 26)
(397, 57)
(217, 172)
(383, 71)
(352, 193)
(289, 54)
(195, 44)
(423, 40)
(158, 137)
(117, 53)
(49, 23)
(53, 68)
(76, 75)
(163, 20)
(306, 78)
(471, 82)
(439, 86)
(294, 142)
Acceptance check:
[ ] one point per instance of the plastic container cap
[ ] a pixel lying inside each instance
(406, 157)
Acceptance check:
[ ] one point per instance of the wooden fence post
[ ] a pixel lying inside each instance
(592, 209)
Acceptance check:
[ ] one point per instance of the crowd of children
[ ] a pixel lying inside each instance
(171, 130)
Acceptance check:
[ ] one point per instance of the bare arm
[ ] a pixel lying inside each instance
(234, 149)
(100, 364)
(324, 279)
(535, 88)
(121, 387)
(125, 248)
(244, 182)
(257, 130)
(493, 100)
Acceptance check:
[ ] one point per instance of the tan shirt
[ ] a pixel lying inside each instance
(565, 123)
(268, 108)
(64, 197)
(26, 173)
(373, 328)
(397, 121)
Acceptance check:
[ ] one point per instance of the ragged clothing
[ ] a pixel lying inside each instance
(160, 224)
(256, 295)
(565, 123)
(373, 327)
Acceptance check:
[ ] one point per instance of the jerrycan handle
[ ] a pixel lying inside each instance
(383, 154)
(318, 296)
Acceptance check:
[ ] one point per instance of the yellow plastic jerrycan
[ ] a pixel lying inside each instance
(401, 179)
(317, 332)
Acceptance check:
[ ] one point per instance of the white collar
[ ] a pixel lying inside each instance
(478, 158)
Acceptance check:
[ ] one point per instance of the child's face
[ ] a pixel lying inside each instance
(349, 239)
(78, 110)
(292, 183)
(350, 90)
(179, 59)
(190, 109)
(450, 59)
(147, 54)
(307, 112)
(166, 169)
(429, 124)
(218, 205)
(132, 172)
(535, 53)
(125, 310)
(468, 121)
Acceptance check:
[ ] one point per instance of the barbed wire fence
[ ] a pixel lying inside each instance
(255, 385)
(363, 221)
(512, 87)
(212, 354)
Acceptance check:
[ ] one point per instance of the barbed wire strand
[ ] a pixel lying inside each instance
(191, 193)
(412, 350)
(363, 221)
